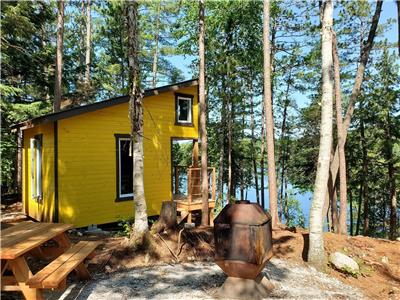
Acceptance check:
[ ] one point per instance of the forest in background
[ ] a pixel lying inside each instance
(234, 69)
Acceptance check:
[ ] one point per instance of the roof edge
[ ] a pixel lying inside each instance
(100, 105)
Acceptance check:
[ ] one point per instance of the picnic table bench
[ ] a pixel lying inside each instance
(27, 238)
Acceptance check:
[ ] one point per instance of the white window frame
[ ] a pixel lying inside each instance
(190, 118)
(36, 168)
(120, 195)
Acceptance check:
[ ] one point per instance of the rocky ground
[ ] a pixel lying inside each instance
(190, 272)
(201, 280)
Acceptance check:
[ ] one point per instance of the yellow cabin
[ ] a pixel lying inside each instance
(76, 164)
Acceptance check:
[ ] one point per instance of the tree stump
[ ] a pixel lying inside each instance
(168, 214)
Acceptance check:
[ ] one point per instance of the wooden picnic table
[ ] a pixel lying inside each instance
(28, 238)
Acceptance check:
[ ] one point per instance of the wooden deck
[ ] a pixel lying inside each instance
(186, 204)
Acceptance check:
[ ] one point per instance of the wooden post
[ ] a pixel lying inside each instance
(189, 184)
(214, 182)
(22, 273)
(195, 154)
(176, 180)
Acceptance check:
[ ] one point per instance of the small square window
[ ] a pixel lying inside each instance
(184, 109)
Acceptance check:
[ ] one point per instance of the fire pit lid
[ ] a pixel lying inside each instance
(242, 212)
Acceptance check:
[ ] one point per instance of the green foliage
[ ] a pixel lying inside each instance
(296, 216)
(125, 225)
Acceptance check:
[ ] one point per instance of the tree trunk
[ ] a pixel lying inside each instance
(222, 147)
(229, 184)
(59, 57)
(203, 112)
(359, 209)
(282, 150)
(82, 39)
(391, 178)
(155, 53)
(88, 49)
(364, 194)
(357, 86)
(316, 253)
(351, 212)
(136, 117)
(334, 212)
(398, 25)
(342, 157)
(269, 119)
(253, 141)
(262, 154)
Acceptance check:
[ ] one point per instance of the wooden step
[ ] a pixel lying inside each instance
(55, 273)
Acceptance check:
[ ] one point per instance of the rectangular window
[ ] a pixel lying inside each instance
(183, 105)
(124, 168)
(36, 167)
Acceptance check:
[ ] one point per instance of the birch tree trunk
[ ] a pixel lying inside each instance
(59, 57)
(269, 119)
(339, 125)
(155, 54)
(140, 226)
(203, 121)
(316, 253)
(88, 49)
(334, 168)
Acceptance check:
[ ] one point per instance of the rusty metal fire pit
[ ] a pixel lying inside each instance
(243, 246)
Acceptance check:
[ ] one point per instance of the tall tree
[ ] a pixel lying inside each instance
(339, 125)
(364, 56)
(203, 115)
(136, 117)
(59, 57)
(88, 49)
(316, 253)
(269, 119)
(398, 25)
(156, 39)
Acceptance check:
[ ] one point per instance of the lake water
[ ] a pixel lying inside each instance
(303, 198)
(250, 194)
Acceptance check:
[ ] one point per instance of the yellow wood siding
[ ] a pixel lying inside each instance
(87, 159)
(44, 210)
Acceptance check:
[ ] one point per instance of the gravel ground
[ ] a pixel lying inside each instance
(200, 280)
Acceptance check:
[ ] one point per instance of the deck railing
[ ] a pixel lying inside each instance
(194, 181)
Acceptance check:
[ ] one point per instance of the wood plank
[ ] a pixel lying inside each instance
(36, 281)
(15, 229)
(36, 229)
(22, 274)
(10, 234)
(53, 280)
(83, 272)
(40, 236)
(8, 280)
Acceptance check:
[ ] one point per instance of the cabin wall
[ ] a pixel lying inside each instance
(87, 159)
(44, 210)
